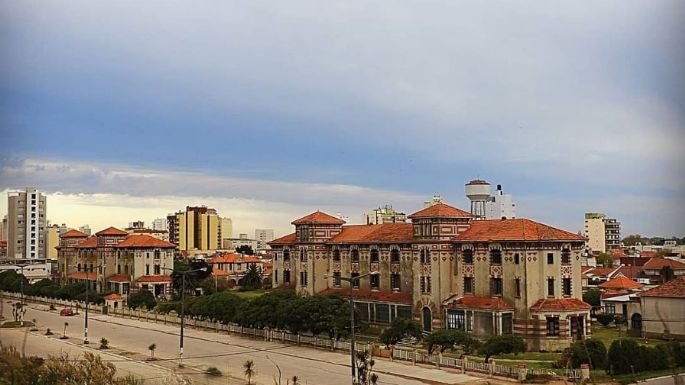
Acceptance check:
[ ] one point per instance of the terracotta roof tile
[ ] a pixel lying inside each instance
(88, 243)
(648, 254)
(371, 295)
(111, 231)
(440, 210)
(154, 278)
(289, 239)
(631, 272)
(484, 303)
(318, 217)
(559, 304)
(671, 289)
(74, 234)
(382, 233)
(91, 276)
(515, 230)
(613, 293)
(658, 263)
(600, 271)
(144, 241)
(219, 273)
(621, 282)
(118, 278)
(225, 258)
(114, 297)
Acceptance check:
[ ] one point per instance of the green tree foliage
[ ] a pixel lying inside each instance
(503, 345)
(192, 279)
(592, 297)
(590, 351)
(604, 259)
(605, 319)
(634, 239)
(450, 339)
(365, 374)
(11, 281)
(142, 298)
(252, 279)
(244, 249)
(399, 329)
(627, 356)
(666, 273)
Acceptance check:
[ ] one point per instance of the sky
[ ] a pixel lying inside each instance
(270, 110)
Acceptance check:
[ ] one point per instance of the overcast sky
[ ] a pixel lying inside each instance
(270, 110)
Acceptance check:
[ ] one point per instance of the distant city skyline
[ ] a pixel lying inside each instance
(269, 111)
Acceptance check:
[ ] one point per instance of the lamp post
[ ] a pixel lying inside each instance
(85, 326)
(183, 274)
(352, 280)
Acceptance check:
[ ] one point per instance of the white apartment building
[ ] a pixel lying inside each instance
(159, 224)
(500, 205)
(26, 221)
(385, 214)
(602, 233)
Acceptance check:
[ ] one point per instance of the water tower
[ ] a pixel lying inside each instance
(478, 192)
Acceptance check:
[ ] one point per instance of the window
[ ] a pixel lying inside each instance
(495, 257)
(336, 255)
(468, 256)
(394, 255)
(425, 284)
(566, 286)
(517, 283)
(275, 256)
(565, 256)
(517, 259)
(157, 254)
(275, 276)
(425, 256)
(495, 286)
(118, 269)
(375, 281)
(552, 326)
(355, 255)
(158, 270)
(336, 279)
(468, 285)
(286, 255)
(395, 281)
(355, 280)
(456, 319)
(303, 255)
(126, 269)
(147, 269)
(286, 276)
(550, 287)
(374, 255)
(550, 258)
(610, 308)
(303, 278)
(78, 267)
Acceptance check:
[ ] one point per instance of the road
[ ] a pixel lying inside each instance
(203, 349)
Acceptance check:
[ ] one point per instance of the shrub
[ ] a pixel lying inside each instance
(590, 351)
(592, 297)
(624, 356)
(141, 298)
(399, 329)
(212, 371)
(104, 343)
(605, 319)
(502, 345)
(450, 339)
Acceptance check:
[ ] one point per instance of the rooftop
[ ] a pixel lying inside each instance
(74, 234)
(621, 282)
(318, 218)
(560, 304)
(381, 233)
(472, 302)
(440, 210)
(515, 230)
(142, 240)
(671, 289)
(111, 231)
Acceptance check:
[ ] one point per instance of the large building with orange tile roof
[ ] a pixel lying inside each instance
(445, 269)
(128, 262)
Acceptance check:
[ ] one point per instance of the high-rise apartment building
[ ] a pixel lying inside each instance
(226, 232)
(602, 233)
(385, 214)
(26, 220)
(52, 234)
(85, 229)
(159, 224)
(197, 229)
(3, 229)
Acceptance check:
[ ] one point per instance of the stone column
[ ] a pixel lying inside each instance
(491, 367)
(464, 361)
(437, 361)
(522, 372)
(584, 371)
(413, 357)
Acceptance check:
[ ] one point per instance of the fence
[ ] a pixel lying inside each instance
(416, 356)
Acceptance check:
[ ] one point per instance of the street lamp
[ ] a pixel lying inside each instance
(85, 328)
(183, 274)
(352, 280)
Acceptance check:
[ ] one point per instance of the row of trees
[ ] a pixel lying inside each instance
(11, 281)
(623, 356)
(278, 310)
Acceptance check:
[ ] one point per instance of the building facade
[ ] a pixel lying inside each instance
(195, 230)
(52, 234)
(445, 270)
(115, 261)
(26, 221)
(500, 205)
(602, 233)
(385, 214)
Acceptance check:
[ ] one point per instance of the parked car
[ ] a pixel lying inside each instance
(66, 312)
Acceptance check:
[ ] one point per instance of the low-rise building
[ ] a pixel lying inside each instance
(662, 311)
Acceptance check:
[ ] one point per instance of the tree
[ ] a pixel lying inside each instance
(449, 339)
(605, 319)
(249, 371)
(399, 329)
(142, 298)
(244, 249)
(624, 356)
(365, 363)
(666, 273)
(152, 348)
(593, 297)
(604, 259)
(18, 311)
(634, 239)
(104, 343)
(192, 279)
(252, 279)
(503, 345)
(590, 351)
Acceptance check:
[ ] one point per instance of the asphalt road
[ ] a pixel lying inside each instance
(130, 338)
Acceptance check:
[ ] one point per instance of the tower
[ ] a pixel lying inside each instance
(478, 192)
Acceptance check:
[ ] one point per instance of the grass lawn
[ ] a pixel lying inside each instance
(601, 376)
(249, 294)
(609, 334)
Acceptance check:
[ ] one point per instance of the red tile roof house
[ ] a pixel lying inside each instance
(233, 266)
(445, 269)
(662, 311)
(127, 262)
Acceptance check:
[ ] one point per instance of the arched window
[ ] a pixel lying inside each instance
(374, 255)
(636, 321)
(427, 319)
(355, 255)
(118, 269)
(425, 256)
(394, 255)
(303, 255)
(468, 256)
(495, 257)
(286, 255)
(336, 255)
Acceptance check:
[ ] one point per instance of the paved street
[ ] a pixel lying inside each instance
(204, 349)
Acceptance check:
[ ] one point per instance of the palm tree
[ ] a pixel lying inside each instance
(152, 348)
(249, 371)
(64, 333)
